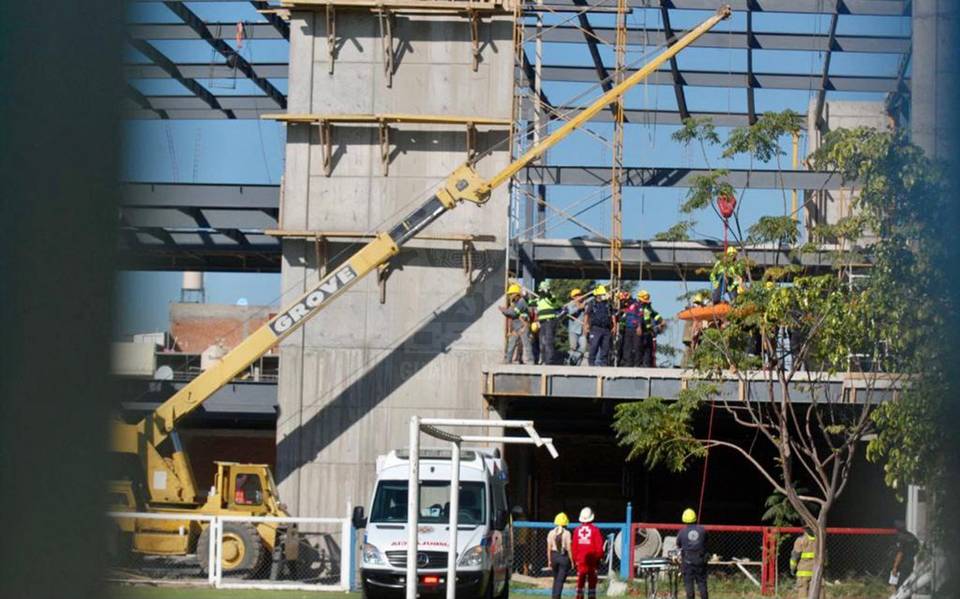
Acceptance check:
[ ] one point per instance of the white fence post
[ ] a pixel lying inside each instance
(218, 557)
(346, 553)
(212, 552)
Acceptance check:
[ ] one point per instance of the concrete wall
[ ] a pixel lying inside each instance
(353, 376)
(830, 206)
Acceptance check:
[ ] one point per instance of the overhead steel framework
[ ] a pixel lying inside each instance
(222, 227)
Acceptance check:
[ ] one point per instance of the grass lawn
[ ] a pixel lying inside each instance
(151, 592)
(719, 589)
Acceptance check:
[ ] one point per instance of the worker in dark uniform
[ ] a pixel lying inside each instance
(599, 325)
(907, 546)
(651, 325)
(692, 540)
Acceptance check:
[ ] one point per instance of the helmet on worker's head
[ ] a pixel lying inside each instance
(561, 519)
(514, 289)
(699, 298)
(599, 290)
(575, 292)
(544, 287)
(644, 296)
(689, 516)
(768, 285)
(586, 515)
(534, 326)
(731, 251)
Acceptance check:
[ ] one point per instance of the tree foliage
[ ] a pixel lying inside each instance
(902, 202)
(678, 232)
(886, 328)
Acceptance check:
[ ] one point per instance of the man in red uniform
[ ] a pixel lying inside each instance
(587, 553)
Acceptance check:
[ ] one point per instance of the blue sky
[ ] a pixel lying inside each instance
(249, 151)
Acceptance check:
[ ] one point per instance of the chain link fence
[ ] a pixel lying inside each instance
(530, 547)
(231, 551)
(761, 554)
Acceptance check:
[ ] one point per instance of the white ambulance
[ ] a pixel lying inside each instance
(484, 539)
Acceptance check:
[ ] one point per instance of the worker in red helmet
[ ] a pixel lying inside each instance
(587, 553)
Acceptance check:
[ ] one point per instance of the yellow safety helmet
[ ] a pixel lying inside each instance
(575, 292)
(561, 519)
(768, 285)
(514, 289)
(699, 298)
(689, 516)
(731, 251)
(643, 295)
(600, 290)
(534, 326)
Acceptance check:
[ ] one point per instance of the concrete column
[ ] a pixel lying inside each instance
(934, 71)
(415, 343)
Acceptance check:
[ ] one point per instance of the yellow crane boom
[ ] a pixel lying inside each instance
(463, 185)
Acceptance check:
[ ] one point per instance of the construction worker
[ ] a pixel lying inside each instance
(548, 313)
(651, 325)
(600, 321)
(587, 550)
(631, 319)
(802, 559)
(692, 542)
(559, 553)
(692, 329)
(574, 310)
(518, 318)
(726, 277)
(617, 343)
(907, 547)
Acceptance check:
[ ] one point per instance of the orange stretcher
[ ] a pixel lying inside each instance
(714, 312)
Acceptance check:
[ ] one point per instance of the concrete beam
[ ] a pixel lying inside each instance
(632, 384)
(740, 40)
(653, 260)
(842, 83)
(678, 177)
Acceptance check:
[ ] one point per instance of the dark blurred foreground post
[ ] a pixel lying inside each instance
(58, 170)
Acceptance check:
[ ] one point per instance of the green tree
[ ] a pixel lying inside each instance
(833, 327)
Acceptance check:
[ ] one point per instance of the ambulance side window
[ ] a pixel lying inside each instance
(499, 511)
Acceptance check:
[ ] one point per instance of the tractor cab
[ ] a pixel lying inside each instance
(245, 488)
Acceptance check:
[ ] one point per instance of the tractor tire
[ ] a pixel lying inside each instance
(242, 551)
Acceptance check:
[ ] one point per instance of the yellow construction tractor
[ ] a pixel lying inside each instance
(247, 548)
(157, 475)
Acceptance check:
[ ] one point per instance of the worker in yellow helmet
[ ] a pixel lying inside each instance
(727, 276)
(548, 315)
(651, 325)
(692, 542)
(559, 554)
(600, 322)
(517, 313)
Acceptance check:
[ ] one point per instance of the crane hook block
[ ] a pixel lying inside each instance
(463, 185)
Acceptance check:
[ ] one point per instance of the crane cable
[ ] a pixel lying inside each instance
(726, 206)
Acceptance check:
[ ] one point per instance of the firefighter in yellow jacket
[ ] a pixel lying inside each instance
(801, 561)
